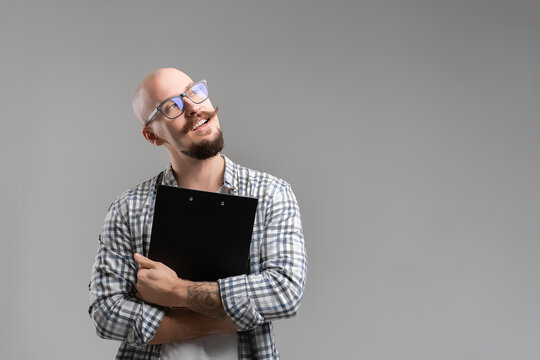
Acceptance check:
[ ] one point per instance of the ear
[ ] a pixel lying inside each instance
(149, 135)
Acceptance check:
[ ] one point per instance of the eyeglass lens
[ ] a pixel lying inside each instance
(175, 106)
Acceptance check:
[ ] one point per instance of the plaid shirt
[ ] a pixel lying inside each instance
(272, 290)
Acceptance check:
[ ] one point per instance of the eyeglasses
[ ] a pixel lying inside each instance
(174, 107)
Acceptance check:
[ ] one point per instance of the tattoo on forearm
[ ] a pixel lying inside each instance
(203, 297)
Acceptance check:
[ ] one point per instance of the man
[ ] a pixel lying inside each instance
(143, 303)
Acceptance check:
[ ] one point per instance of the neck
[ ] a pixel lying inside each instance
(203, 175)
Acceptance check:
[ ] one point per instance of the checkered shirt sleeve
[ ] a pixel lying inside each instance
(116, 312)
(273, 289)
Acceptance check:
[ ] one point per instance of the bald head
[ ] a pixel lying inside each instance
(156, 87)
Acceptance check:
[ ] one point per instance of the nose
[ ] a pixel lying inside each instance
(190, 108)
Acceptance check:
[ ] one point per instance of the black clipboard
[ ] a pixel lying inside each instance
(202, 236)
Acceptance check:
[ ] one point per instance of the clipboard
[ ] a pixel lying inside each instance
(202, 236)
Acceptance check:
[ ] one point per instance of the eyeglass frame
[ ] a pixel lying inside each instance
(181, 96)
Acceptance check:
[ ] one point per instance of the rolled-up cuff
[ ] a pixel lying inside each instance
(237, 303)
(150, 321)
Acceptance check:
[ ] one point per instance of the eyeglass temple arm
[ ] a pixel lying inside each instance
(151, 116)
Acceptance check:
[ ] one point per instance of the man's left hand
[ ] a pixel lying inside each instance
(157, 283)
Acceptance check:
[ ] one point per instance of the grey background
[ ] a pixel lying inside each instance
(408, 129)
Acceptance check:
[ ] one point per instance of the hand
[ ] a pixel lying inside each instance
(157, 283)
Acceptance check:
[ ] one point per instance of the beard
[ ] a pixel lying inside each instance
(207, 148)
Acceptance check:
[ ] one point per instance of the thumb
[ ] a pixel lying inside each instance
(144, 261)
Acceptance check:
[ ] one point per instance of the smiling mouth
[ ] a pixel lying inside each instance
(199, 124)
(198, 120)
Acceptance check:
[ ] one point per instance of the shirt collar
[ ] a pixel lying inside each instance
(168, 177)
(229, 177)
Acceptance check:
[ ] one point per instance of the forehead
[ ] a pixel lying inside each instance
(167, 87)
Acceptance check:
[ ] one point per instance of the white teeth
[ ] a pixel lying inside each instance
(199, 123)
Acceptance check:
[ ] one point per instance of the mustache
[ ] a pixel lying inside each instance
(192, 120)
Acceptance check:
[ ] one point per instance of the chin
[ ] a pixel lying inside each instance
(206, 148)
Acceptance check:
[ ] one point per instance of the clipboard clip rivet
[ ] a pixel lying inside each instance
(191, 198)
(222, 203)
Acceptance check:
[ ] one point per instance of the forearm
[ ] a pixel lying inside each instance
(201, 297)
(250, 299)
(183, 324)
(204, 298)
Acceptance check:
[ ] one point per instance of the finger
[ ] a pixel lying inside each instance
(144, 261)
(138, 296)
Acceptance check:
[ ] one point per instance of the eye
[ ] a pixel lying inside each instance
(169, 106)
(173, 106)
